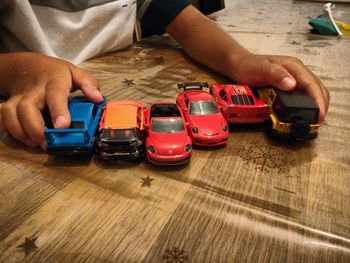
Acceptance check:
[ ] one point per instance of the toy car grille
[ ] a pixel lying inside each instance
(242, 99)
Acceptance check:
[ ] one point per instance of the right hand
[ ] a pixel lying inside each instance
(32, 81)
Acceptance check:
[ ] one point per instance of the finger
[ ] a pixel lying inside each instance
(306, 80)
(328, 97)
(57, 93)
(32, 122)
(324, 91)
(278, 76)
(11, 122)
(86, 83)
(2, 128)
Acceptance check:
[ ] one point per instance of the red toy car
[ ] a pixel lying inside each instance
(239, 104)
(207, 125)
(168, 142)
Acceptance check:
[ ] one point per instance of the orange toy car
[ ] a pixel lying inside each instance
(122, 132)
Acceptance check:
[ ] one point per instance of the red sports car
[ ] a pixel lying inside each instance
(239, 104)
(207, 125)
(168, 142)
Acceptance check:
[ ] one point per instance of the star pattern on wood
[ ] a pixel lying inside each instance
(129, 82)
(28, 245)
(146, 181)
(175, 255)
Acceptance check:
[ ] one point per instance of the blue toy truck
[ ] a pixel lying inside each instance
(79, 138)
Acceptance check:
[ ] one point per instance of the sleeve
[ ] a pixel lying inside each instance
(159, 14)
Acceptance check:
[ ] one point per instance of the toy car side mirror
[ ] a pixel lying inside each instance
(187, 124)
(147, 125)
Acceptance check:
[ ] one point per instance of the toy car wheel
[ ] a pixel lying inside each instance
(269, 129)
(300, 129)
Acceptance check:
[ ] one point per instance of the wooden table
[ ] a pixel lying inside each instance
(254, 200)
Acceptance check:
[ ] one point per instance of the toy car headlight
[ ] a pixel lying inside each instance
(103, 145)
(194, 130)
(188, 147)
(151, 149)
(224, 128)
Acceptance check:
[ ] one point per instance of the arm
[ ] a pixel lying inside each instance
(32, 81)
(208, 44)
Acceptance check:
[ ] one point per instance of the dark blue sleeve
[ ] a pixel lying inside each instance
(159, 15)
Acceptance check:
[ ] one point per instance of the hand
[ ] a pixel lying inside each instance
(285, 73)
(32, 81)
(207, 43)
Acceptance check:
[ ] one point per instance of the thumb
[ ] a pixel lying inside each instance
(279, 77)
(86, 83)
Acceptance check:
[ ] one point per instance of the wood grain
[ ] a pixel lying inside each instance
(255, 200)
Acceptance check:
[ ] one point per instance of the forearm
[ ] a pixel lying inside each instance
(206, 42)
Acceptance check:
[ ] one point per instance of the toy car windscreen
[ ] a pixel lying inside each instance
(167, 126)
(203, 108)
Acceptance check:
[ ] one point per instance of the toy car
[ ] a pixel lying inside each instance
(168, 142)
(121, 132)
(79, 138)
(293, 114)
(207, 125)
(239, 104)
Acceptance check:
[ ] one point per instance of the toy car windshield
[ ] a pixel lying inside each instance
(242, 99)
(164, 110)
(203, 108)
(119, 135)
(167, 126)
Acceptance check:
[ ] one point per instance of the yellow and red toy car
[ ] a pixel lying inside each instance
(293, 115)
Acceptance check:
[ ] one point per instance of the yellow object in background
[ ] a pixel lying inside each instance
(344, 27)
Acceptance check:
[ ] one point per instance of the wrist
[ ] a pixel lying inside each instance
(235, 61)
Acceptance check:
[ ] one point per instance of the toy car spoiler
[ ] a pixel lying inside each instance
(192, 85)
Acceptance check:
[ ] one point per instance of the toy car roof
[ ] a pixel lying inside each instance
(192, 85)
(121, 114)
(199, 95)
(295, 99)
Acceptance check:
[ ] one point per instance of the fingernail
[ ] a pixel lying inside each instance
(60, 122)
(97, 94)
(287, 83)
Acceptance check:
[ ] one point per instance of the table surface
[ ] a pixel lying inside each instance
(254, 200)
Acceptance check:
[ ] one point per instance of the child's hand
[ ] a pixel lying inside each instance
(31, 82)
(206, 42)
(286, 73)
